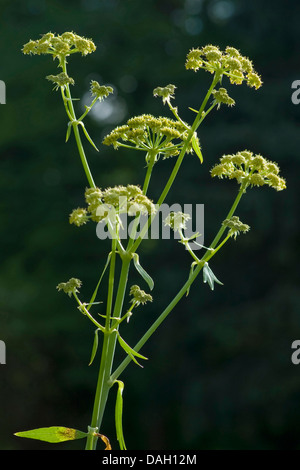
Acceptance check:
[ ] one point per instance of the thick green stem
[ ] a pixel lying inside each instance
(97, 410)
(108, 351)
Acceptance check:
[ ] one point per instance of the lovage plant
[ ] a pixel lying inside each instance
(157, 138)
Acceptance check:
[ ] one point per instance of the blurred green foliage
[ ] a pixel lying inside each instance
(219, 374)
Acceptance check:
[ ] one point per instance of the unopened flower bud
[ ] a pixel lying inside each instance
(139, 296)
(70, 287)
(61, 80)
(101, 91)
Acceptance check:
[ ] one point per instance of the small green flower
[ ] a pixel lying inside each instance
(221, 96)
(68, 37)
(85, 46)
(100, 91)
(235, 226)
(233, 64)
(254, 80)
(232, 52)
(177, 220)
(236, 77)
(257, 180)
(222, 170)
(70, 286)
(60, 47)
(166, 92)
(212, 53)
(61, 80)
(139, 296)
(93, 195)
(275, 181)
(78, 217)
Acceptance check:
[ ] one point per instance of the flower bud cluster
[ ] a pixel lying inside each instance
(249, 169)
(100, 91)
(119, 199)
(166, 92)
(235, 226)
(59, 45)
(221, 97)
(139, 296)
(230, 62)
(70, 287)
(60, 80)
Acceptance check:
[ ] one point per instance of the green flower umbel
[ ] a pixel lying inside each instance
(249, 169)
(60, 80)
(118, 199)
(70, 287)
(139, 296)
(235, 226)
(230, 63)
(149, 133)
(59, 45)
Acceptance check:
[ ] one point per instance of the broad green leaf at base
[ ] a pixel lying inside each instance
(53, 434)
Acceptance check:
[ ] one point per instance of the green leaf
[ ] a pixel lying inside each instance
(53, 434)
(142, 271)
(119, 414)
(95, 346)
(208, 276)
(131, 352)
(68, 131)
(193, 265)
(99, 282)
(88, 137)
(196, 148)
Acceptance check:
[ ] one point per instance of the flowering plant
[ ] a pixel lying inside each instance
(159, 138)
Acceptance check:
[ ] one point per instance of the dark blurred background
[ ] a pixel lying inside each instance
(219, 374)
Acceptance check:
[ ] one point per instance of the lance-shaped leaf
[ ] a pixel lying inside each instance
(142, 271)
(208, 276)
(88, 137)
(196, 147)
(131, 352)
(119, 414)
(95, 346)
(99, 282)
(193, 265)
(68, 131)
(53, 434)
